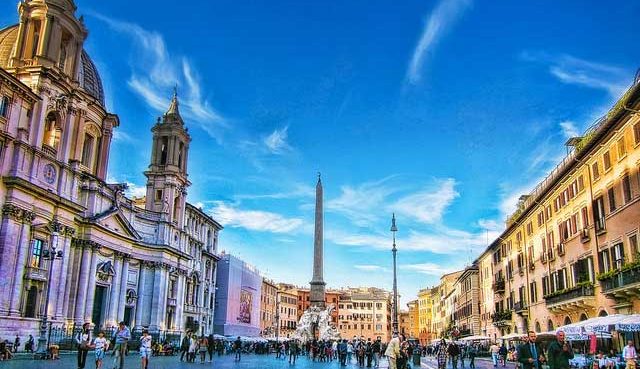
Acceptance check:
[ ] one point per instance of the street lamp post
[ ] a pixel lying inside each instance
(277, 323)
(50, 254)
(394, 250)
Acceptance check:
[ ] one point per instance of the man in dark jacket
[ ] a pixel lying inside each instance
(559, 353)
(530, 355)
(184, 346)
(342, 352)
(454, 352)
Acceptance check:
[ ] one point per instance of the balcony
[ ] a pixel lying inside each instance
(520, 307)
(622, 285)
(171, 301)
(600, 226)
(585, 235)
(572, 299)
(36, 274)
(191, 309)
(560, 249)
(498, 286)
(543, 258)
(501, 318)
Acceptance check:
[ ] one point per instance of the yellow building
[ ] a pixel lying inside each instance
(467, 294)
(404, 323)
(287, 312)
(268, 308)
(365, 311)
(414, 325)
(570, 251)
(425, 312)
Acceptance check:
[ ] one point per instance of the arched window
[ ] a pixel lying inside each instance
(583, 317)
(550, 325)
(567, 320)
(164, 147)
(180, 149)
(87, 150)
(52, 131)
(4, 106)
(603, 313)
(537, 327)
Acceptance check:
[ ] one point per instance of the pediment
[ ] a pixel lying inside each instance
(115, 221)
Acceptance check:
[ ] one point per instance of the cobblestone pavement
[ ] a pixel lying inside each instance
(132, 361)
(481, 363)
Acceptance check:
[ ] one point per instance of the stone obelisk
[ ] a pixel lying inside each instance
(317, 283)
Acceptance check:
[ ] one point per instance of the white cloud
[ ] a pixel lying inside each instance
(255, 220)
(276, 142)
(571, 70)
(369, 268)
(569, 129)
(154, 72)
(121, 136)
(429, 205)
(362, 204)
(441, 19)
(428, 269)
(442, 240)
(133, 190)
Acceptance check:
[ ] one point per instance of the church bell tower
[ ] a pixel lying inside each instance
(167, 179)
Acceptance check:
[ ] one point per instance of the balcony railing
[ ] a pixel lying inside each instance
(171, 301)
(519, 307)
(543, 257)
(600, 226)
(585, 236)
(569, 294)
(36, 274)
(501, 318)
(560, 249)
(621, 279)
(498, 286)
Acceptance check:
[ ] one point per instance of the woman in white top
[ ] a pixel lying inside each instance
(83, 339)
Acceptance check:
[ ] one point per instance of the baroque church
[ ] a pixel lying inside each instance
(68, 236)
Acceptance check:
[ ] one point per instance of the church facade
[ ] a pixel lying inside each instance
(150, 262)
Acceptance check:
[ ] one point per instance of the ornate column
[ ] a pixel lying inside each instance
(83, 280)
(140, 304)
(123, 285)
(21, 261)
(63, 303)
(114, 295)
(91, 285)
(180, 300)
(9, 237)
(164, 280)
(155, 299)
(54, 241)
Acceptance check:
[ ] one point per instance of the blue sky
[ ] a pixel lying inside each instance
(443, 112)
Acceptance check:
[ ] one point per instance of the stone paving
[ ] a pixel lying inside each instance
(481, 363)
(132, 361)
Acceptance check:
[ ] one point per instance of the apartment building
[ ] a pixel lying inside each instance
(365, 311)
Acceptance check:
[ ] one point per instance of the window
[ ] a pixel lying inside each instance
(636, 133)
(547, 213)
(622, 150)
(606, 158)
(533, 292)
(52, 131)
(529, 229)
(545, 285)
(36, 253)
(580, 184)
(612, 199)
(585, 217)
(31, 303)
(598, 213)
(540, 219)
(4, 106)
(604, 260)
(595, 170)
(626, 188)
(163, 150)
(618, 255)
(87, 150)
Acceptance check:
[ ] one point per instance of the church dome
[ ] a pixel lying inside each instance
(89, 77)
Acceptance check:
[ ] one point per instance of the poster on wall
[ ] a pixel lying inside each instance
(245, 307)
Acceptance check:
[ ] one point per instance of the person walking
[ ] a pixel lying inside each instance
(368, 352)
(559, 352)
(495, 353)
(393, 351)
(16, 344)
(237, 346)
(193, 348)
(83, 341)
(203, 346)
(376, 348)
(122, 337)
(349, 352)
(503, 355)
(530, 355)
(293, 351)
(211, 345)
(28, 346)
(145, 349)
(184, 346)
(342, 352)
(472, 352)
(101, 345)
(454, 351)
(629, 354)
(441, 354)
